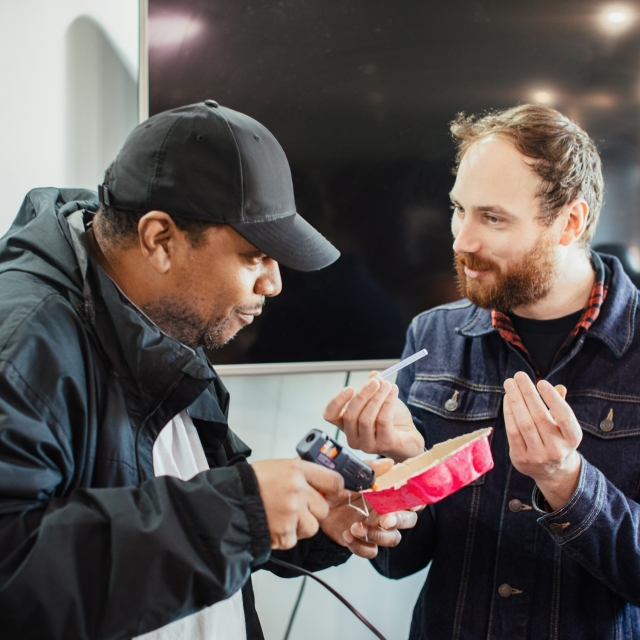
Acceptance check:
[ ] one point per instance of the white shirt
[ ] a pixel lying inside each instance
(178, 452)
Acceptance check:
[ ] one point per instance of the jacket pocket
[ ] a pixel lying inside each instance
(446, 406)
(454, 398)
(611, 435)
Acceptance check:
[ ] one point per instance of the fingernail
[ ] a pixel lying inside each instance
(543, 385)
(520, 377)
(372, 384)
(509, 384)
(348, 538)
(345, 391)
(388, 522)
(358, 529)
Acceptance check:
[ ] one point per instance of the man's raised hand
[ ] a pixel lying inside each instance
(375, 420)
(543, 442)
(296, 494)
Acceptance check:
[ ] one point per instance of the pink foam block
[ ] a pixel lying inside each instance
(434, 474)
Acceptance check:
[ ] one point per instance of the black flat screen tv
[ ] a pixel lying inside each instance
(360, 93)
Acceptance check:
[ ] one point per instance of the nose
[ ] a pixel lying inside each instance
(466, 236)
(269, 283)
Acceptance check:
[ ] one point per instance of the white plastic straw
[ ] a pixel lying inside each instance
(402, 364)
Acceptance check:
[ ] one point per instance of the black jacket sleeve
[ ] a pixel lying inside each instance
(86, 563)
(115, 563)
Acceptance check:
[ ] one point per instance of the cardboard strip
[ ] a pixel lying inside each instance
(434, 474)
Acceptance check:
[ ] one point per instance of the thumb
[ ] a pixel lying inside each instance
(562, 390)
(380, 466)
(373, 374)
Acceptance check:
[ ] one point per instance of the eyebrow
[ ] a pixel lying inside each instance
(494, 208)
(254, 253)
(487, 208)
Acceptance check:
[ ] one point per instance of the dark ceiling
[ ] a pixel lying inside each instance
(351, 79)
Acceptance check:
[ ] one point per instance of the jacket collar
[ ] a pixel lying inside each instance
(479, 324)
(615, 324)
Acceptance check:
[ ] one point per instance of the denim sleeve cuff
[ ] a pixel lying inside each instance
(580, 511)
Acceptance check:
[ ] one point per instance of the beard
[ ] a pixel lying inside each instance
(523, 282)
(184, 323)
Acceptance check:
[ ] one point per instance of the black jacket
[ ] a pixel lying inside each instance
(92, 545)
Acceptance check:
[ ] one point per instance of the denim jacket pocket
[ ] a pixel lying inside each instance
(611, 435)
(454, 398)
(448, 406)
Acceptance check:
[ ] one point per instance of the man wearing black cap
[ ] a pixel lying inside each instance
(127, 506)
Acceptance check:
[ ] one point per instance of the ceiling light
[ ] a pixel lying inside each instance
(172, 30)
(543, 96)
(616, 18)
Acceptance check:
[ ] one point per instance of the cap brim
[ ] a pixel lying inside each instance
(291, 241)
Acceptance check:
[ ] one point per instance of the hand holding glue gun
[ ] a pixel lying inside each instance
(351, 521)
(374, 420)
(354, 524)
(298, 494)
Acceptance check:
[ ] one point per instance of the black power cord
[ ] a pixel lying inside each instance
(345, 602)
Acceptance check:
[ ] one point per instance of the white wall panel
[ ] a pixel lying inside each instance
(68, 73)
(271, 414)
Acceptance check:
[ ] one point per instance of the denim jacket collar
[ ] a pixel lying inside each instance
(479, 324)
(614, 325)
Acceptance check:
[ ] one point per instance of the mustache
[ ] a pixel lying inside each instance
(256, 308)
(474, 262)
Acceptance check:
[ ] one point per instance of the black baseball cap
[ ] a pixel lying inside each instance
(206, 162)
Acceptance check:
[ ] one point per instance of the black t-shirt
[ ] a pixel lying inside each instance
(543, 338)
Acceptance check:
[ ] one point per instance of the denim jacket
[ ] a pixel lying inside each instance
(501, 568)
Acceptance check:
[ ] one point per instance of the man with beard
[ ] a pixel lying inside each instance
(547, 544)
(127, 506)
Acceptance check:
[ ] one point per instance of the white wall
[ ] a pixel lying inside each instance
(271, 414)
(68, 72)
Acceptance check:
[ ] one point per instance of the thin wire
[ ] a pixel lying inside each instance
(342, 599)
(295, 608)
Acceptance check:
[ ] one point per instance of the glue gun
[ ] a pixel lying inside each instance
(318, 447)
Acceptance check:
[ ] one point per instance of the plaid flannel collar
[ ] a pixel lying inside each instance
(502, 322)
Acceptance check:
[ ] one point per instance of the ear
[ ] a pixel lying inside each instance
(160, 240)
(575, 219)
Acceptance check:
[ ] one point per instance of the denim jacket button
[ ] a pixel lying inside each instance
(556, 528)
(607, 424)
(515, 505)
(452, 403)
(505, 590)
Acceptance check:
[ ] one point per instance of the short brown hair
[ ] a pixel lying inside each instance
(565, 157)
